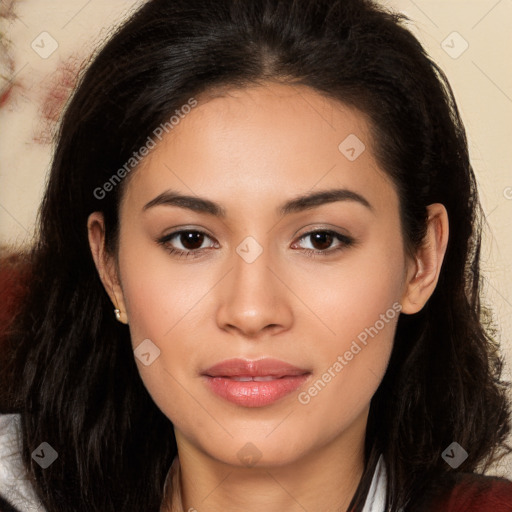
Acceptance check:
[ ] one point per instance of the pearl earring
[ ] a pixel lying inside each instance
(117, 312)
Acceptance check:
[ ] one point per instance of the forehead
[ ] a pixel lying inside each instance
(260, 142)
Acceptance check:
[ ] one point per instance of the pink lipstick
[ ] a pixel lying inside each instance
(254, 383)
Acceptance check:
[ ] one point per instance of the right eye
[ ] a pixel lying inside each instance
(191, 241)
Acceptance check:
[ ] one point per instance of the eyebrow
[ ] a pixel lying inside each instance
(297, 204)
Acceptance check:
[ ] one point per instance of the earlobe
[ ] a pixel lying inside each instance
(424, 273)
(105, 265)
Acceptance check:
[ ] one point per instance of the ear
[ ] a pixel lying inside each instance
(423, 272)
(105, 263)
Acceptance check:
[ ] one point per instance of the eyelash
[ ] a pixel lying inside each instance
(345, 240)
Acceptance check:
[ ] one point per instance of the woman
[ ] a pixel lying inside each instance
(256, 285)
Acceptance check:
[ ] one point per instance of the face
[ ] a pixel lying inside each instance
(315, 284)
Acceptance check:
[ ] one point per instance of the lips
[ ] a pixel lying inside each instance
(259, 368)
(254, 383)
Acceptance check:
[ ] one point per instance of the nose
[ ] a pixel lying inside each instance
(254, 298)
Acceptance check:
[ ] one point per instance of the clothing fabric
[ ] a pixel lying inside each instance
(15, 488)
(376, 499)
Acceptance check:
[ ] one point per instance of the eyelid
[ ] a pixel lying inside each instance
(173, 234)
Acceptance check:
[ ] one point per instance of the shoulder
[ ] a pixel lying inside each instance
(469, 492)
(16, 493)
(473, 492)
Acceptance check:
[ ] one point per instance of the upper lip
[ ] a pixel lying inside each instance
(257, 368)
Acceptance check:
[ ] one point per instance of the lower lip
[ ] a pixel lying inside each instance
(255, 393)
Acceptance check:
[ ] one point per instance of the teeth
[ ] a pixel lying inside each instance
(256, 379)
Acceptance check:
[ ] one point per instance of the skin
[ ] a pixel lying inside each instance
(250, 150)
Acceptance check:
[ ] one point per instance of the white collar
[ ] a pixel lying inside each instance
(14, 484)
(376, 499)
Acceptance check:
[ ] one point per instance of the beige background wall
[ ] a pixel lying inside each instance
(43, 42)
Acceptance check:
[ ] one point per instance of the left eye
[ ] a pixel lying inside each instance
(324, 239)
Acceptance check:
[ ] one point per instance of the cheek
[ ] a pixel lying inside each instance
(361, 309)
(158, 294)
(165, 303)
(351, 366)
(162, 302)
(360, 293)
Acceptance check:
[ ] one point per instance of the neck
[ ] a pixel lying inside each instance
(324, 480)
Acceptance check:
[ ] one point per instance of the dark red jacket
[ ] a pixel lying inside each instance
(468, 492)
